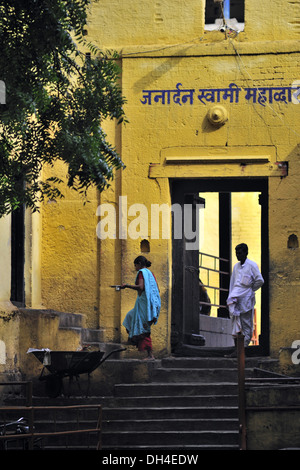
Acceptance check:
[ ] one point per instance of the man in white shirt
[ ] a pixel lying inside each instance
(245, 280)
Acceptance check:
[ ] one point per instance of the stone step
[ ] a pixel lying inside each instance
(166, 374)
(92, 336)
(190, 402)
(133, 425)
(199, 362)
(173, 400)
(170, 425)
(169, 438)
(184, 403)
(83, 441)
(171, 389)
(172, 448)
(179, 412)
(218, 362)
(70, 320)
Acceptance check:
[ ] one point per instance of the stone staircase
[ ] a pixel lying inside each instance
(74, 322)
(190, 403)
(186, 403)
(181, 402)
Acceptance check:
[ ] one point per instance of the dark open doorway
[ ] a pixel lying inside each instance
(189, 267)
(17, 256)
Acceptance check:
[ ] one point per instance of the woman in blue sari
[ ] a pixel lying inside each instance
(146, 310)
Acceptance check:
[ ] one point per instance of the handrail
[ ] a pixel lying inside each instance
(213, 256)
(219, 264)
(241, 391)
(30, 410)
(31, 436)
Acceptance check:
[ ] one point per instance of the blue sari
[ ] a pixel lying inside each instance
(146, 310)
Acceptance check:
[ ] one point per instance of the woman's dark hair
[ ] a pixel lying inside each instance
(142, 261)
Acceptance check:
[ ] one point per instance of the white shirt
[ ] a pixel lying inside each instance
(245, 280)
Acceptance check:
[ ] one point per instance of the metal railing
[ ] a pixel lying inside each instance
(215, 269)
(35, 439)
(62, 417)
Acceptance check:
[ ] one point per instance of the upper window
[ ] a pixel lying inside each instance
(222, 14)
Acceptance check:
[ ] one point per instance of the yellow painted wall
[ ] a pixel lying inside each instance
(69, 255)
(115, 24)
(162, 44)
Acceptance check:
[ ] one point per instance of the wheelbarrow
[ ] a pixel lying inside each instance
(70, 364)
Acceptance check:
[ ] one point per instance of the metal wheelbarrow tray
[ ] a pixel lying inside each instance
(70, 364)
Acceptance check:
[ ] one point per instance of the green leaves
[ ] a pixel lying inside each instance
(56, 99)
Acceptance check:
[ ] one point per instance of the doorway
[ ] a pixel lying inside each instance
(225, 212)
(17, 256)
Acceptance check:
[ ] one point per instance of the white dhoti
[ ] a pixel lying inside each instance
(243, 323)
(244, 282)
(247, 326)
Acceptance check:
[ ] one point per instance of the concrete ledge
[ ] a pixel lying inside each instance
(272, 417)
(216, 330)
(289, 361)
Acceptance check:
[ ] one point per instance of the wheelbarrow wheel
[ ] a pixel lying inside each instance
(53, 386)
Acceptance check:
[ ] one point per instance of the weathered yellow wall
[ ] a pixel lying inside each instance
(185, 126)
(265, 21)
(115, 24)
(271, 421)
(30, 328)
(69, 254)
(162, 44)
